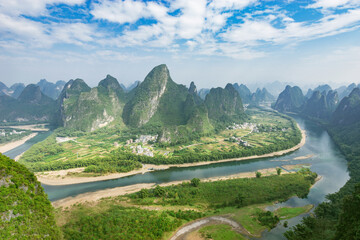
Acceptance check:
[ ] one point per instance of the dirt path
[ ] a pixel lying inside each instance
(195, 225)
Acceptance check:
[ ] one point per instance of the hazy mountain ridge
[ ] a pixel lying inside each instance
(52, 90)
(31, 105)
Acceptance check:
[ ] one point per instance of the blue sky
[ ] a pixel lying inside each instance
(211, 42)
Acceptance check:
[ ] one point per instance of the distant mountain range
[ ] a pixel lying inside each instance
(247, 97)
(321, 103)
(157, 101)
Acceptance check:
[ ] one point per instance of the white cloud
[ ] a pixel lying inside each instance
(31, 7)
(325, 4)
(254, 31)
(127, 11)
(73, 33)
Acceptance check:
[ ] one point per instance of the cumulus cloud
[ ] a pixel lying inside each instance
(233, 28)
(31, 7)
(326, 4)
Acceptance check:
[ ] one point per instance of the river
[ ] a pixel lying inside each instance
(327, 161)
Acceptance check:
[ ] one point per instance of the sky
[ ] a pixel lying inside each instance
(210, 42)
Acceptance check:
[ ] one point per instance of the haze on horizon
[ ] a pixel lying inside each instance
(209, 42)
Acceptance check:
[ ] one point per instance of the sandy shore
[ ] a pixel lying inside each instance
(62, 178)
(11, 145)
(118, 191)
(32, 127)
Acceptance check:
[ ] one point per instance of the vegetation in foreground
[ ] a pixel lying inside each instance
(156, 213)
(25, 211)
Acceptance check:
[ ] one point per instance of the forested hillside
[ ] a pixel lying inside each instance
(25, 211)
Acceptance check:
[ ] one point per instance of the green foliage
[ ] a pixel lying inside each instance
(143, 193)
(258, 174)
(220, 232)
(234, 192)
(25, 211)
(195, 182)
(278, 171)
(39, 151)
(285, 224)
(119, 223)
(268, 219)
(348, 227)
(107, 165)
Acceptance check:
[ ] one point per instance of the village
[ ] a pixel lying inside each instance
(143, 139)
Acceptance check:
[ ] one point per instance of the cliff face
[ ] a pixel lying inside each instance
(31, 105)
(139, 110)
(290, 100)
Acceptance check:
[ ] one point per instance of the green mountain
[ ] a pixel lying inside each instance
(158, 98)
(321, 105)
(290, 100)
(31, 105)
(244, 92)
(86, 109)
(348, 111)
(25, 211)
(224, 104)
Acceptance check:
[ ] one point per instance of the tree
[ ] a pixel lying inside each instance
(239, 200)
(349, 222)
(278, 171)
(159, 191)
(258, 174)
(195, 182)
(143, 193)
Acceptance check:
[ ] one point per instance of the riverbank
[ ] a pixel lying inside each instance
(64, 177)
(11, 145)
(118, 191)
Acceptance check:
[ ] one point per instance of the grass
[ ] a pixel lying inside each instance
(246, 216)
(220, 232)
(288, 212)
